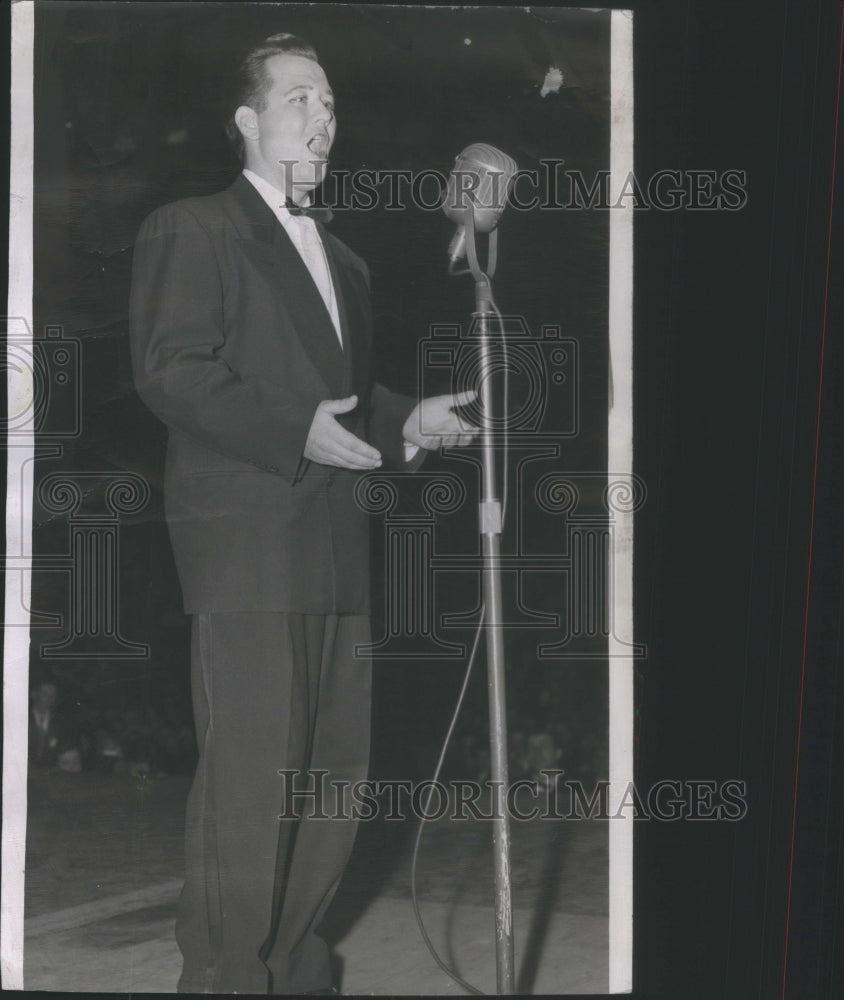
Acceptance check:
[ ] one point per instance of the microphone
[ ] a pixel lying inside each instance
(479, 183)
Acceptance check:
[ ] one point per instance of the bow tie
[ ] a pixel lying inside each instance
(309, 211)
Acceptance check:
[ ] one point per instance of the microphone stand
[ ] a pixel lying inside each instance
(490, 526)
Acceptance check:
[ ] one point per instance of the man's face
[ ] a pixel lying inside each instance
(289, 141)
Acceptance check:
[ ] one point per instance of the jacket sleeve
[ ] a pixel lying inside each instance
(177, 330)
(388, 413)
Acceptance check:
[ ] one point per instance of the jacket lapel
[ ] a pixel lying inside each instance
(353, 308)
(303, 303)
(311, 319)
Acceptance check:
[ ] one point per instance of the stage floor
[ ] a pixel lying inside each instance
(103, 870)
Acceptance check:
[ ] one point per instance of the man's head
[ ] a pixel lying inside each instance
(284, 124)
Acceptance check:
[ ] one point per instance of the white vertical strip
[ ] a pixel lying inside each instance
(20, 453)
(620, 463)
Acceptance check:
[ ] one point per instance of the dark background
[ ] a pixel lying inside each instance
(741, 677)
(729, 314)
(129, 104)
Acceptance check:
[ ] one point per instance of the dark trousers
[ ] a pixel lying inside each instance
(271, 692)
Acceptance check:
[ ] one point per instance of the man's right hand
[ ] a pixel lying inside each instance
(331, 444)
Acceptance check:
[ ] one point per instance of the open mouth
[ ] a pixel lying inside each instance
(318, 145)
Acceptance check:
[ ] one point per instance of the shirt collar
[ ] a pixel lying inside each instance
(274, 197)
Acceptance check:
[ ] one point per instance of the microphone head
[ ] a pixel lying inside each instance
(480, 183)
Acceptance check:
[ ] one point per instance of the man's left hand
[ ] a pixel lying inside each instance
(433, 423)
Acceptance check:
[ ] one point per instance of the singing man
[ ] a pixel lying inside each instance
(252, 341)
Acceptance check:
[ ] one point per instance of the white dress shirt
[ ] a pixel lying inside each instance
(304, 235)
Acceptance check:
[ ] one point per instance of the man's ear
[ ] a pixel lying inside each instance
(247, 121)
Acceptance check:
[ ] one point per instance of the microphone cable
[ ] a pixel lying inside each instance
(460, 698)
(422, 820)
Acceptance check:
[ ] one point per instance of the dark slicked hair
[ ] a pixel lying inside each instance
(251, 81)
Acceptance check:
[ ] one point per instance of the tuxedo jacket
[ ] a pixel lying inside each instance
(233, 349)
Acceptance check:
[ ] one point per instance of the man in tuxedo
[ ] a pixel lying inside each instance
(251, 341)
